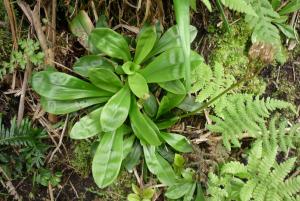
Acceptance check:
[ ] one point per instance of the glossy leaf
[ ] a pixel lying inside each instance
(169, 102)
(130, 68)
(61, 86)
(105, 79)
(171, 39)
(175, 87)
(178, 142)
(87, 126)
(65, 107)
(167, 123)
(81, 26)
(168, 66)
(189, 104)
(115, 111)
(133, 158)
(141, 127)
(111, 43)
(108, 159)
(190, 194)
(151, 106)
(182, 14)
(159, 166)
(145, 42)
(207, 4)
(128, 143)
(138, 85)
(85, 63)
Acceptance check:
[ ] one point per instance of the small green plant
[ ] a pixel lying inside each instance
(28, 52)
(139, 194)
(261, 179)
(45, 177)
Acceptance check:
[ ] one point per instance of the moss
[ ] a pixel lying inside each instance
(81, 158)
(231, 50)
(118, 191)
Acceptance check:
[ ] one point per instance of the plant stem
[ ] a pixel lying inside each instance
(220, 7)
(202, 107)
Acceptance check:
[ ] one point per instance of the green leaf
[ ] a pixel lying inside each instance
(133, 157)
(133, 197)
(175, 87)
(171, 39)
(189, 104)
(287, 30)
(105, 79)
(138, 85)
(169, 102)
(168, 66)
(128, 143)
(159, 166)
(190, 194)
(193, 4)
(150, 105)
(178, 190)
(179, 161)
(65, 107)
(207, 4)
(200, 195)
(61, 86)
(142, 127)
(85, 63)
(275, 4)
(291, 7)
(148, 193)
(247, 190)
(87, 126)
(182, 14)
(178, 142)
(81, 26)
(240, 6)
(145, 42)
(111, 43)
(115, 111)
(130, 68)
(167, 123)
(108, 158)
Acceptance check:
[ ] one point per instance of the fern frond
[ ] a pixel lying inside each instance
(240, 6)
(243, 114)
(25, 134)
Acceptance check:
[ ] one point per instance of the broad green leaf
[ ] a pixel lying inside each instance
(130, 68)
(85, 63)
(178, 142)
(133, 158)
(111, 43)
(171, 39)
(65, 107)
(115, 111)
(175, 87)
(81, 26)
(167, 123)
(189, 104)
(178, 190)
(151, 106)
(128, 143)
(107, 161)
(87, 126)
(168, 66)
(141, 127)
(148, 193)
(207, 4)
(291, 7)
(145, 42)
(200, 195)
(193, 4)
(275, 4)
(138, 85)
(105, 79)
(61, 86)
(169, 102)
(133, 197)
(190, 194)
(159, 166)
(182, 14)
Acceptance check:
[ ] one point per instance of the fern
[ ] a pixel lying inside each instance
(240, 6)
(262, 179)
(24, 134)
(209, 83)
(244, 114)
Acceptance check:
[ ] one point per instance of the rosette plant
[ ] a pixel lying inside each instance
(127, 91)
